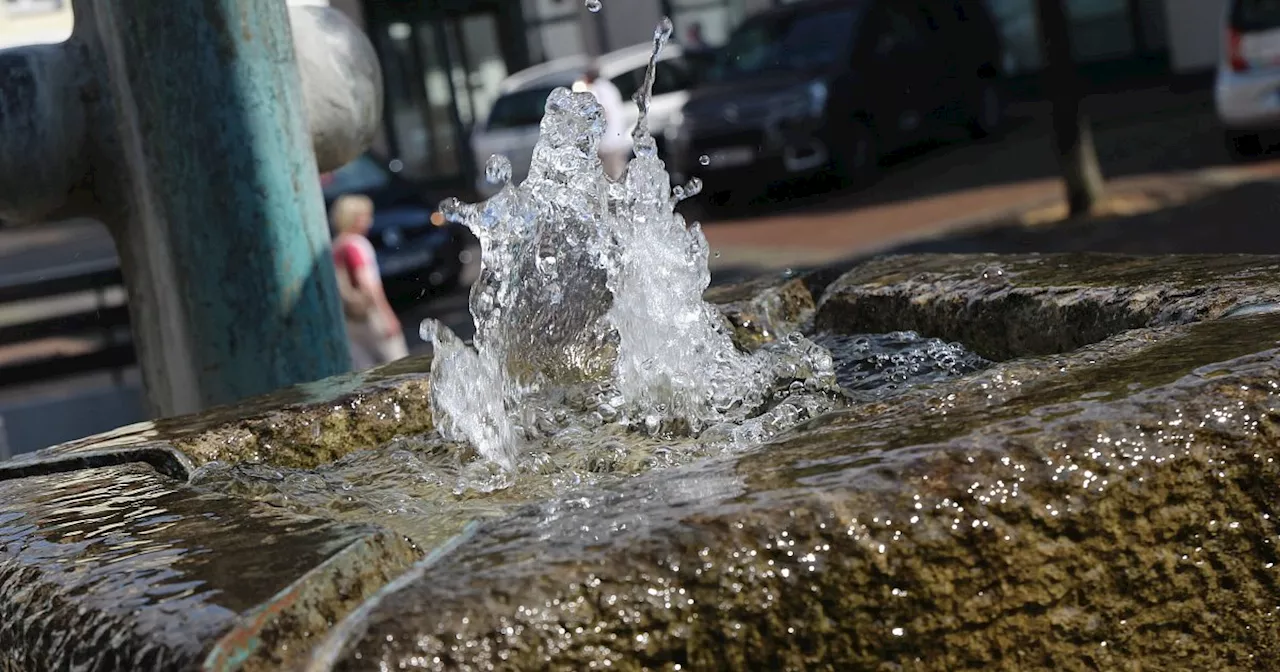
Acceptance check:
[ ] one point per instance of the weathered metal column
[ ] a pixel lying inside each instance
(196, 130)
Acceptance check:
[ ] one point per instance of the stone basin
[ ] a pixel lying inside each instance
(1099, 498)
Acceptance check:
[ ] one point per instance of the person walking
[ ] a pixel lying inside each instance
(373, 330)
(615, 146)
(693, 38)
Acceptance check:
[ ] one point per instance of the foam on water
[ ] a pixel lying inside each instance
(874, 366)
(589, 305)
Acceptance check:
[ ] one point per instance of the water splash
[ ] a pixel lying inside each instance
(589, 306)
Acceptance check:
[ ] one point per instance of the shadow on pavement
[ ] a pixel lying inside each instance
(1136, 132)
(1239, 219)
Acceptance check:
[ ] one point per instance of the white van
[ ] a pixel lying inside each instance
(511, 127)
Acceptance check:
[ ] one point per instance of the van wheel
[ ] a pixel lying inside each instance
(1244, 146)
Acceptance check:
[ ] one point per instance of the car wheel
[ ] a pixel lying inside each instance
(1244, 146)
(986, 111)
(856, 157)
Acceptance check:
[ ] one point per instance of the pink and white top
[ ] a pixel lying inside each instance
(355, 255)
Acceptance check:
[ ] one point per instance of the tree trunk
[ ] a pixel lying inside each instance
(1072, 129)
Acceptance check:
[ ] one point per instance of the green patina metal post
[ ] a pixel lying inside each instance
(230, 205)
(185, 126)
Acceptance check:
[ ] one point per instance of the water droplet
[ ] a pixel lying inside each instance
(677, 192)
(498, 169)
(646, 146)
(693, 188)
(453, 210)
(663, 32)
(787, 272)
(427, 330)
(594, 5)
(704, 160)
(717, 254)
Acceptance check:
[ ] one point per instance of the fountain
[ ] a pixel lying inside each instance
(935, 462)
(592, 290)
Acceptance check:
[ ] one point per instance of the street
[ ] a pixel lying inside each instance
(929, 192)
(926, 200)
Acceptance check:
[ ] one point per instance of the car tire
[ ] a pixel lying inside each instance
(986, 111)
(855, 155)
(1244, 146)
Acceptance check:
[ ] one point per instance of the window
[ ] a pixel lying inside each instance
(18, 7)
(670, 75)
(703, 23)
(795, 42)
(519, 108)
(1256, 14)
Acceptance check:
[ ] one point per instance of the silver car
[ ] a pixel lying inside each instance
(1247, 88)
(511, 126)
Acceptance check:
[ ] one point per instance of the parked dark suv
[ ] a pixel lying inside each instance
(833, 85)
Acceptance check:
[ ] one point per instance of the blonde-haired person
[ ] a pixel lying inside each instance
(373, 331)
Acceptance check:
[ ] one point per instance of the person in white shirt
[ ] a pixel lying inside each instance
(615, 146)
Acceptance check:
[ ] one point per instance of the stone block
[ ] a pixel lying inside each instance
(124, 568)
(1101, 497)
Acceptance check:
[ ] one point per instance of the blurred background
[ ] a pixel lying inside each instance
(823, 131)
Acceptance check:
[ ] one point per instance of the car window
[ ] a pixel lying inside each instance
(800, 41)
(629, 82)
(749, 51)
(672, 75)
(1256, 14)
(669, 76)
(519, 108)
(900, 29)
(361, 176)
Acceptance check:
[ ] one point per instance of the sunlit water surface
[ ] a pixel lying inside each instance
(595, 356)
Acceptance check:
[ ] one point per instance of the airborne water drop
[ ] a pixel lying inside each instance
(497, 170)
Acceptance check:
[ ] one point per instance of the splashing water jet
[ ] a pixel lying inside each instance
(589, 305)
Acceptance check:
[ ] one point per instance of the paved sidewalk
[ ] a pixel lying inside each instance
(1143, 138)
(802, 240)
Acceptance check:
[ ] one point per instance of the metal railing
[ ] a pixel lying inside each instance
(104, 327)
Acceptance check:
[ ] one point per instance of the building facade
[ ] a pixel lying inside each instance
(443, 60)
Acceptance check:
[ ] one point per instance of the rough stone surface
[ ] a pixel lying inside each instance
(1101, 498)
(1134, 530)
(301, 427)
(1007, 306)
(759, 310)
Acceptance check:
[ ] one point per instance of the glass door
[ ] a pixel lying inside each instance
(442, 124)
(443, 71)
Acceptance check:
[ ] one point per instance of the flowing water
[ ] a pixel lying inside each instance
(589, 303)
(595, 356)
